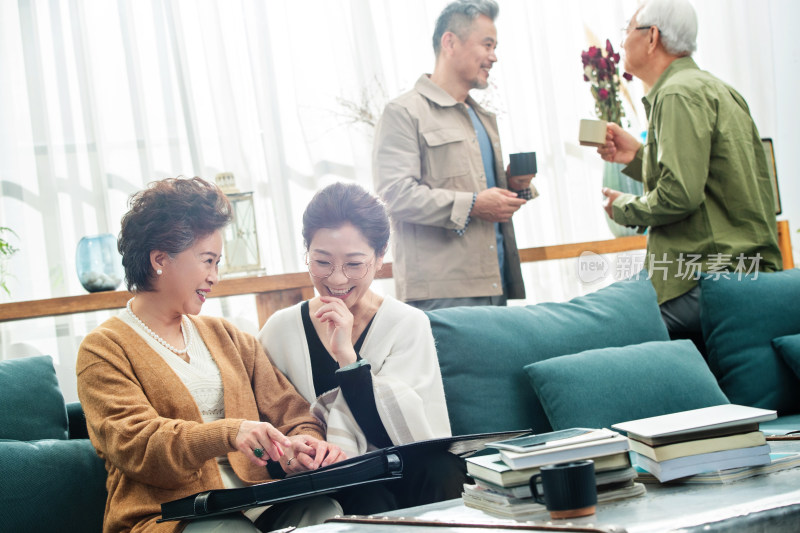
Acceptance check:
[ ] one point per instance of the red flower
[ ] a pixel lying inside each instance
(601, 70)
(628, 76)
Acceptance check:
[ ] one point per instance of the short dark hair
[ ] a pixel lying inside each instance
(342, 203)
(169, 215)
(457, 17)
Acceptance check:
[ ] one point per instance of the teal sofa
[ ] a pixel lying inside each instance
(606, 357)
(593, 361)
(51, 478)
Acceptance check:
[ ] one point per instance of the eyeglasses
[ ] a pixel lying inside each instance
(320, 268)
(626, 30)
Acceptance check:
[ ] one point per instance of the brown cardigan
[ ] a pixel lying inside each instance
(146, 426)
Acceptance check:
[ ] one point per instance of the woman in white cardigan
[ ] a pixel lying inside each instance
(367, 363)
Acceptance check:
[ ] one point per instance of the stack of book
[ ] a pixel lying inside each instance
(778, 462)
(502, 473)
(699, 441)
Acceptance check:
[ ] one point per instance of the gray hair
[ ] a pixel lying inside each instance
(676, 21)
(457, 17)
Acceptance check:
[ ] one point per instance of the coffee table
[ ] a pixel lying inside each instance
(763, 503)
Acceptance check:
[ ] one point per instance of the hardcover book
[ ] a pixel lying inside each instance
(490, 467)
(694, 447)
(527, 508)
(693, 424)
(603, 478)
(572, 452)
(704, 462)
(778, 462)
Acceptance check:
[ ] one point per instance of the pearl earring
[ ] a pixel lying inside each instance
(159, 271)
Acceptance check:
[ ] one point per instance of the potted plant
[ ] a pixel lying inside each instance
(6, 251)
(601, 70)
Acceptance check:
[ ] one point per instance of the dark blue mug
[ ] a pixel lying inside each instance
(568, 490)
(522, 164)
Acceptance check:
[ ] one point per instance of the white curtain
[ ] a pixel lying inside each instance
(100, 97)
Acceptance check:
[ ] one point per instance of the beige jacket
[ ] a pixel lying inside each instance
(146, 426)
(426, 166)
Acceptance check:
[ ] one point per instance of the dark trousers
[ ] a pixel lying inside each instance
(427, 478)
(682, 318)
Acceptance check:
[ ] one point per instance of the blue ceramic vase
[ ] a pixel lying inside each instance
(98, 263)
(613, 178)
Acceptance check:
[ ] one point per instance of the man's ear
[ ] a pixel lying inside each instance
(655, 38)
(448, 41)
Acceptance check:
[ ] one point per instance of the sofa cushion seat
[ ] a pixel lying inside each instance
(58, 485)
(482, 350)
(49, 483)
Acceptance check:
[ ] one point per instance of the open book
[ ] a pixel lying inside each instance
(373, 467)
(380, 465)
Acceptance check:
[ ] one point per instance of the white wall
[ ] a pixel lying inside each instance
(729, 31)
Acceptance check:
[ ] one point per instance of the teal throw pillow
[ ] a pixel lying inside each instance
(33, 406)
(789, 349)
(482, 350)
(599, 388)
(740, 317)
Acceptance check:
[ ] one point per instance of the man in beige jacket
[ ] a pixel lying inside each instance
(438, 166)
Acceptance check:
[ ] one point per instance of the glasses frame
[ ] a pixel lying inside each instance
(334, 266)
(626, 31)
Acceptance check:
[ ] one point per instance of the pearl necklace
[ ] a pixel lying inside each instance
(185, 329)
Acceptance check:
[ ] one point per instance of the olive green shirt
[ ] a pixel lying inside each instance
(707, 198)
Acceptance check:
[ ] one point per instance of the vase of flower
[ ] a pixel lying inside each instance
(613, 178)
(98, 263)
(600, 69)
(6, 251)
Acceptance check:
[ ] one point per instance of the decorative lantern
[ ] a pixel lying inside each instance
(240, 237)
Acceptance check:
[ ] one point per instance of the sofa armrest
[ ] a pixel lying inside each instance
(77, 421)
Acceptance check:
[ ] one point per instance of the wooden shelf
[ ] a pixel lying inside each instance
(282, 290)
(275, 290)
(100, 301)
(565, 251)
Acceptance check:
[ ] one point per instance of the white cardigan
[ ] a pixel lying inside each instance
(406, 379)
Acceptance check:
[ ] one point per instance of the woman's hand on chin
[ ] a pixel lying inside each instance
(339, 325)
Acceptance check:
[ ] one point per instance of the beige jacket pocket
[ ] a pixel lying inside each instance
(444, 157)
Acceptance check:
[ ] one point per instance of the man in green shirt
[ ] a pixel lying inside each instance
(708, 199)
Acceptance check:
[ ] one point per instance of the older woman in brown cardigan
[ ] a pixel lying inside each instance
(177, 403)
